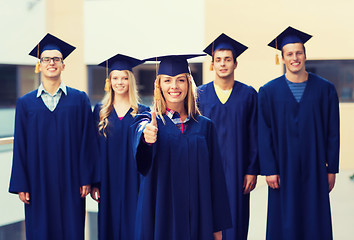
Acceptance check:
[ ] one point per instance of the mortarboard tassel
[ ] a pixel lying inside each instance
(107, 85)
(211, 68)
(36, 70)
(277, 62)
(157, 92)
(277, 59)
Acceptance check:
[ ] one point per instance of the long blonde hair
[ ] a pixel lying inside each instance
(190, 102)
(108, 100)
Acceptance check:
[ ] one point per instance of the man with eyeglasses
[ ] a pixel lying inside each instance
(54, 150)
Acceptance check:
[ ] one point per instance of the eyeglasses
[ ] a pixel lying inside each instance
(47, 60)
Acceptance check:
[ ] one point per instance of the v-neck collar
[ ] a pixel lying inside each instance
(176, 130)
(56, 107)
(290, 92)
(116, 114)
(231, 94)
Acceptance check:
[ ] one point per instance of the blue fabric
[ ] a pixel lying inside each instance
(173, 65)
(121, 62)
(183, 192)
(297, 141)
(236, 126)
(50, 42)
(290, 39)
(54, 155)
(119, 179)
(225, 42)
(297, 89)
(289, 35)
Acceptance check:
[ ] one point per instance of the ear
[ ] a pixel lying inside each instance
(235, 65)
(63, 67)
(40, 67)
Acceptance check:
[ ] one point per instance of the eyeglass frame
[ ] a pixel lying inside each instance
(60, 59)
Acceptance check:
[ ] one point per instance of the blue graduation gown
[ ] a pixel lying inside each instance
(119, 179)
(54, 155)
(236, 126)
(300, 142)
(183, 192)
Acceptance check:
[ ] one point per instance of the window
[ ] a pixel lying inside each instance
(8, 78)
(339, 72)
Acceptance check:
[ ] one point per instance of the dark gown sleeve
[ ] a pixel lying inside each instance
(142, 152)
(267, 161)
(143, 108)
(89, 155)
(96, 120)
(19, 179)
(333, 133)
(253, 166)
(220, 200)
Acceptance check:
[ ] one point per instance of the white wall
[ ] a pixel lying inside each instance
(22, 25)
(142, 28)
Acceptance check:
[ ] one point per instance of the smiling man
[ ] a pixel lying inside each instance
(298, 145)
(232, 106)
(54, 150)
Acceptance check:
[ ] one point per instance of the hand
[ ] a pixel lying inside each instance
(24, 197)
(218, 235)
(249, 183)
(84, 190)
(95, 194)
(331, 181)
(273, 181)
(150, 131)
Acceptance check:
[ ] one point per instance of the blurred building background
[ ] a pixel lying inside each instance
(102, 28)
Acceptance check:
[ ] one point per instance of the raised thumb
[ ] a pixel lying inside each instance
(153, 119)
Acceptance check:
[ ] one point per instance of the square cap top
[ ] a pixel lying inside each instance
(173, 65)
(121, 62)
(50, 42)
(289, 35)
(225, 42)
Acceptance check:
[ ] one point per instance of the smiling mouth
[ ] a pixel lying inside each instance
(174, 94)
(119, 87)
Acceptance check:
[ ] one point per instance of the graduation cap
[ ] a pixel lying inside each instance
(289, 35)
(173, 65)
(225, 42)
(50, 42)
(119, 62)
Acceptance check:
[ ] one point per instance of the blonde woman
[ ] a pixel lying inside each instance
(119, 181)
(183, 191)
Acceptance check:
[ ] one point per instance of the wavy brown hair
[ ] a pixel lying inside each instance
(108, 100)
(190, 102)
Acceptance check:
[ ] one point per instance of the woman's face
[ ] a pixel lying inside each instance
(120, 82)
(174, 89)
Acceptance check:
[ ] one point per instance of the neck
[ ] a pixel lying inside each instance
(51, 85)
(120, 99)
(225, 83)
(297, 77)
